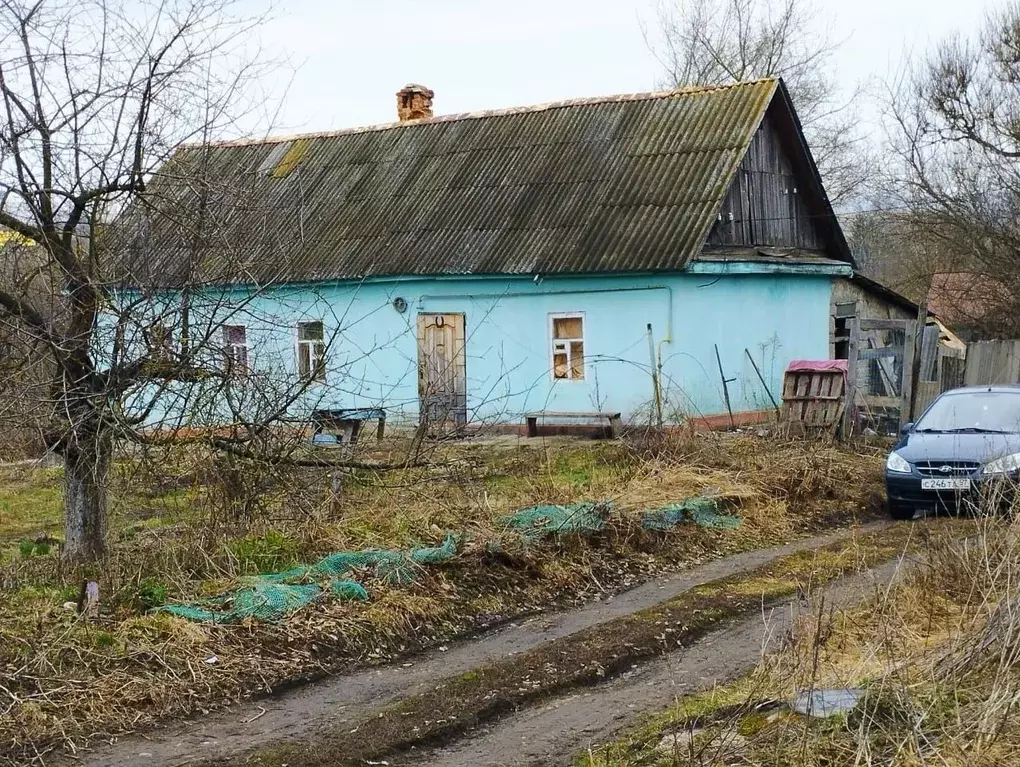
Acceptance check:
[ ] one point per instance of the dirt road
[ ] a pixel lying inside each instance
(553, 733)
(568, 722)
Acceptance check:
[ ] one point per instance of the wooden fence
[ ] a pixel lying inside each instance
(992, 362)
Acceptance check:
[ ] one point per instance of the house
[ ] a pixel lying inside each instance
(598, 254)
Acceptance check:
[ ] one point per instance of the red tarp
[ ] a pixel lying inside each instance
(820, 366)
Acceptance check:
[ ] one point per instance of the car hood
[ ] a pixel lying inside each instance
(957, 447)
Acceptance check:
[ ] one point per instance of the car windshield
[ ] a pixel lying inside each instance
(978, 411)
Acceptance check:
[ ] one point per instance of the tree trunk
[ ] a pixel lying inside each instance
(86, 479)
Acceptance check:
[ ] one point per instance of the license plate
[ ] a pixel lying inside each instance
(947, 483)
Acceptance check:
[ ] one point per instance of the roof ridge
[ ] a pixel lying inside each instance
(506, 111)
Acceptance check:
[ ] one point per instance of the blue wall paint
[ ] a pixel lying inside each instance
(373, 352)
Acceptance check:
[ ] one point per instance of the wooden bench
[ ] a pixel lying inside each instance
(348, 422)
(615, 424)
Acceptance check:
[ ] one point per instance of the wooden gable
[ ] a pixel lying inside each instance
(775, 199)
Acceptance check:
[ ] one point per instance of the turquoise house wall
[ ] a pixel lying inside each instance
(372, 356)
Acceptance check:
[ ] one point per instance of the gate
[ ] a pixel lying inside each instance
(879, 375)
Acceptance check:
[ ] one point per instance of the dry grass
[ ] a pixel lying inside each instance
(468, 701)
(938, 656)
(180, 534)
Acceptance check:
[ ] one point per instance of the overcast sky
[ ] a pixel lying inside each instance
(347, 58)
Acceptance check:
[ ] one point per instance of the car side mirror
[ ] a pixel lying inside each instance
(907, 428)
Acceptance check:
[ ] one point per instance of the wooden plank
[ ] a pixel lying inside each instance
(929, 355)
(892, 403)
(909, 367)
(927, 392)
(866, 325)
(789, 384)
(851, 378)
(878, 354)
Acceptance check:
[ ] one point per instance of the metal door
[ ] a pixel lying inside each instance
(442, 371)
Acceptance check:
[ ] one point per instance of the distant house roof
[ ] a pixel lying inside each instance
(616, 184)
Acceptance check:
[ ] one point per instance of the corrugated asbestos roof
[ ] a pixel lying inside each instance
(629, 183)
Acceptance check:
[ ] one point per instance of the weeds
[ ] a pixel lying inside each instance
(937, 657)
(273, 550)
(178, 534)
(152, 594)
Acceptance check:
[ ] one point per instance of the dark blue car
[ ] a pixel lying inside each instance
(963, 453)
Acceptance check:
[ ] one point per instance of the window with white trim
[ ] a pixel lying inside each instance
(235, 346)
(567, 346)
(311, 351)
(160, 341)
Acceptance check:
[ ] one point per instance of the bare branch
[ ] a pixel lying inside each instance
(708, 42)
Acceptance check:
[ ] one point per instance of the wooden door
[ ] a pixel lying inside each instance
(880, 377)
(442, 370)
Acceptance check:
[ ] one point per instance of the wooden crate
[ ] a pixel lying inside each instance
(814, 398)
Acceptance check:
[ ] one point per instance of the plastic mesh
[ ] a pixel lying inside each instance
(701, 511)
(272, 596)
(540, 521)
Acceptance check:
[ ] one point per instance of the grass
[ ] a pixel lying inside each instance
(468, 700)
(178, 534)
(936, 656)
(31, 502)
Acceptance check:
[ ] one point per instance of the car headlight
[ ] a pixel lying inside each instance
(1005, 465)
(898, 464)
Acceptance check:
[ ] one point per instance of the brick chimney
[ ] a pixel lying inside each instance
(414, 102)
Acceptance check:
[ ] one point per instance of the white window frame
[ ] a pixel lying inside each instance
(234, 364)
(553, 316)
(317, 361)
(165, 349)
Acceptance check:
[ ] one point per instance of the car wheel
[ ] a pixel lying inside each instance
(901, 511)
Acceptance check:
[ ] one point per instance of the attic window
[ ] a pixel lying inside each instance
(567, 346)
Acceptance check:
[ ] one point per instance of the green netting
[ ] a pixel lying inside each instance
(701, 511)
(272, 596)
(349, 590)
(266, 601)
(540, 521)
(431, 556)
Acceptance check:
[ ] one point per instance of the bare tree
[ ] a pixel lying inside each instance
(893, 247)
(96, 96)
(955, 128)
(706, 42)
